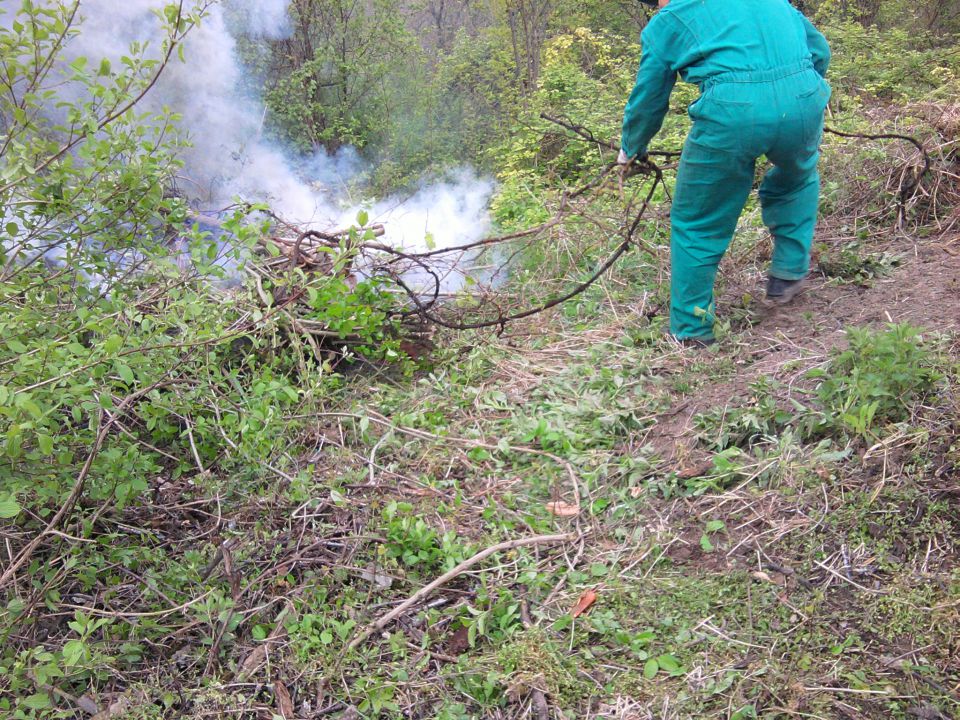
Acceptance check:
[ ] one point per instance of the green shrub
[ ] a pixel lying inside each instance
(891, 64)
(877, 379)
(121, 374)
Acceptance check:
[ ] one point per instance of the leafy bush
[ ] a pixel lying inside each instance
(892, 64)
(126, 370)
(877, 379)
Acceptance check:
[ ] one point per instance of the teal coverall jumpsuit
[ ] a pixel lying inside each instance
(760, 66)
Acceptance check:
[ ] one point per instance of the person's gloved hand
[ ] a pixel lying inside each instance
(628, 166)
(632, 164)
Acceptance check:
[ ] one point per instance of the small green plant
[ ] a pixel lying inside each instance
(665, 663)
(711, 528)
(747, 712)
(80, 661)
(416, 545)
(876, 380)
(316, 633)
(495, 617)
(852, 264)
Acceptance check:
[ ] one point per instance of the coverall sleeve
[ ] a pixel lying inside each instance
(650, 99)
(817, 44)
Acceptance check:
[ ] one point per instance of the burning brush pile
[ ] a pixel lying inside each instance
(328, 287)
(347, 288)
(338, 278)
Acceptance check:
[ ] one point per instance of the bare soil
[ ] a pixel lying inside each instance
(787, 341)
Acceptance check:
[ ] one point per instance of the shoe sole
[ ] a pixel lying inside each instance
(790, 294)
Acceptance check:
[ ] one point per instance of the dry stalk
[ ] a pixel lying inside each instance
(426, 590)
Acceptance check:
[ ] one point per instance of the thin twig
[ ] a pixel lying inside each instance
(425, 591)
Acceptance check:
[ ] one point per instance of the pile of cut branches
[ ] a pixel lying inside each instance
(457, 287)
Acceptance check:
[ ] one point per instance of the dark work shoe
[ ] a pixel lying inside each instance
(783, 291)
(697, 342)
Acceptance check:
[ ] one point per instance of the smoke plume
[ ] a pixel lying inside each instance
(229, 158)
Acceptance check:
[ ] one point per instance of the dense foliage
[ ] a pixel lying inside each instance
(137, 372)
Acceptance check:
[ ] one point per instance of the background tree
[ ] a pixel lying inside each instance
(333, 74)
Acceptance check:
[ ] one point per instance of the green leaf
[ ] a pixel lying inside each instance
(113, 343)
(16, 346)
(670, 664)
(362, 218)
(125, 373)
(38, 701)
(29, 406)
(104, 67)
(73, 652)
(715, 526)
(9, 507)
(14, 441)
(12, 229)
(651, 668)
(705, 544)
(45, 443)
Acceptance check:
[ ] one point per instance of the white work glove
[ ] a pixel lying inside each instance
(624, 169)
(622, 158)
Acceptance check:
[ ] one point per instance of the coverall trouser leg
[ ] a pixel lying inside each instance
(711, 189)
(790, 198)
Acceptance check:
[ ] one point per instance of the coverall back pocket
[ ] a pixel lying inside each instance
(818, 92)
(724, 121)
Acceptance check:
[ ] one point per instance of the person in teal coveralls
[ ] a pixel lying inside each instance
(760, 66)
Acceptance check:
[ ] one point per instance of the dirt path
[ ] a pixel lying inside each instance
(924, 290)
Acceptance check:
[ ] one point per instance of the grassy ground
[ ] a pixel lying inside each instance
(766, 528)
(752, 535)
(771, 565)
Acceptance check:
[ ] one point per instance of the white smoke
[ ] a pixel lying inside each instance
(263, 19)
(229, 158)
(439, 215)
